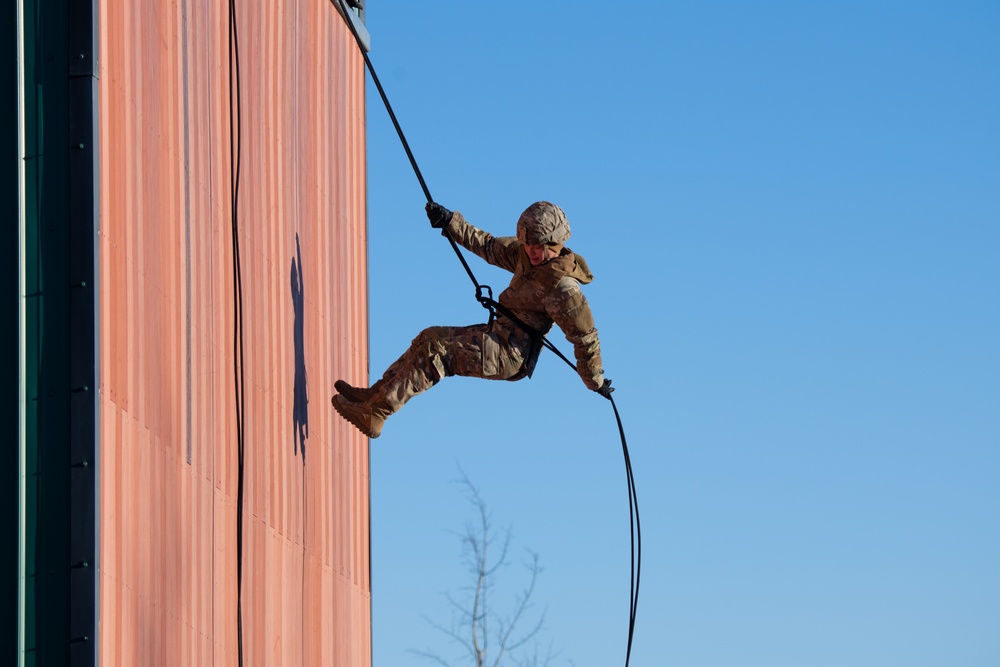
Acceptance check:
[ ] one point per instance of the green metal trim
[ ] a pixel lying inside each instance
(58, 241)
(22, 385)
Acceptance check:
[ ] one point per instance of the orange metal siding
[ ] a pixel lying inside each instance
(168, 543)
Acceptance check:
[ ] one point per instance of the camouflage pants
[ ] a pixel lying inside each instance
(438, 352)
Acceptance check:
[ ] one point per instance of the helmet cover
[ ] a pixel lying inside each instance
(543, 223)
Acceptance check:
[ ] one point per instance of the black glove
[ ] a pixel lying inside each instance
(438, 215)
(606, 389)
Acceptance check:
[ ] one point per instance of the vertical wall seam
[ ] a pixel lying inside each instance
(187, 229)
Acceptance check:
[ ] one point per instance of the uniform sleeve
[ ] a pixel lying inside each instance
(568, 308)
(498, 251)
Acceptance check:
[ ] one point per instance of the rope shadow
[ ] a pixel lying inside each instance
(300, 404)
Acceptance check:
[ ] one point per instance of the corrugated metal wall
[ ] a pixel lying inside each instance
(168, 434)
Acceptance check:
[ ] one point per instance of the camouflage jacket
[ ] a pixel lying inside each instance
(541, 295)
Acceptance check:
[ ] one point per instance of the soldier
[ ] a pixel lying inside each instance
(545, 289)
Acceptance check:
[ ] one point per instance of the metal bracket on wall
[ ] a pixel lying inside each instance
(357, 18)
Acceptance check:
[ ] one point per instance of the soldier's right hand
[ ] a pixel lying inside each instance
(605, 389)
(438, 215)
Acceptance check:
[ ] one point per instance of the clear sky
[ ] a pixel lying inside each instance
(792, 210)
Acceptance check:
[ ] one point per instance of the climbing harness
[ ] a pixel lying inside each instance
(484, 295)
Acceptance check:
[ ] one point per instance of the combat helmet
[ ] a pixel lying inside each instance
(543, 223)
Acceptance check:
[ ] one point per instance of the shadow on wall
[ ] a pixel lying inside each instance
(300, 404)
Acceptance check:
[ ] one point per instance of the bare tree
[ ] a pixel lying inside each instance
(488, 637)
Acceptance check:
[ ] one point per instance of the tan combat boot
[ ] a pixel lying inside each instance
(353, 394)
(369, 419)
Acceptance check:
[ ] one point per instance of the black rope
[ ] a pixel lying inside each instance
(235, 159)
(635, 531)
(402, 137)
(484, 295)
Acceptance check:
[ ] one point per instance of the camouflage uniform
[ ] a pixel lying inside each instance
(537, 295)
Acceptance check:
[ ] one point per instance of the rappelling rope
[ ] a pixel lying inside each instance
(484, 295)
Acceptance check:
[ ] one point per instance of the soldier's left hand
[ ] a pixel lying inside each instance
(438, 215)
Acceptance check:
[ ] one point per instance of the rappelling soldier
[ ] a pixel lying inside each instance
(545, 289)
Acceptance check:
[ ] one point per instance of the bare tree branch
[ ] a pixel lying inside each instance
(522, 605)
(472, 620)
(431, 656)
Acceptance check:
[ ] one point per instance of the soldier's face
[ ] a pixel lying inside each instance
(539, 254)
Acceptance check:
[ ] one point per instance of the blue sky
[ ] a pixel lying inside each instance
(792, 210)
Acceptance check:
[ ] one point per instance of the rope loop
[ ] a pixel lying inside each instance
(485, 299)
(487, 302)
